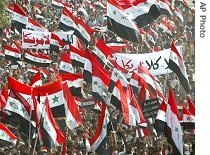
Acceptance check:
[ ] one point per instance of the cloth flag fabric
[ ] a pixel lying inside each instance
(7, 138)
(37, 58)
(65, 63)
(12, 53)
(83, 31)
(188, 121)
(121, 102)
(174, 130)
(19, 18)
(36, 80)
(51, 134)
(102, 51)
(143, 11)
(160, 121)
(121, 24)
(77, 56)
(67, 20)
(176, 64)
(55, 94)
(100, 82)
(74, 81)
(191, 106)
(73, 117)
(56, 42)
(97, 142)
(34, 25)
(19, 98)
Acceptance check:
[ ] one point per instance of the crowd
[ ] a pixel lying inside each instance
(123, 140)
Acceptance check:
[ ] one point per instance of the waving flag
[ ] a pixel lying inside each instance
(191, 106)
(56, 43)
(19, 98)
(74, 82)
(12, 53)
(160, 121)
(51, 134)
(100, 81)
(73, 117)
(37, 58)
(120, 101)
(188, 121)
(34, 25)
(121, 24)
(102, 51)
(174, 130)
(19, 18)
(165, 8)
(83, 31)
(98, 141)
(65, 63)
(77, 56)
(36, 80)
(7, 138)
(176, 64)
(55, 95)
(67, 20)
(143, 12)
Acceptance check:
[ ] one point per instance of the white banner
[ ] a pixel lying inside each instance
(35, 39)
(156, 62)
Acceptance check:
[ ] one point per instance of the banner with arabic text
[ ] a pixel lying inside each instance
(35, 39)
(155, 62)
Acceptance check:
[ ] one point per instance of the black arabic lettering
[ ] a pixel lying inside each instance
(152, 64)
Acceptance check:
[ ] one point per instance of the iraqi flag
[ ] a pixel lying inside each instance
(77, 56)
(143, 12)
(165, 8)
(83, 31)
(102, 51)
(174, 130)
(90, 60)
(121, 24)
(55, 95)
(139, 116)
(7, 138)
(188, 121)
(73, 116)
(51, 134)
(56, 43)
(191, 106)
(117, 75)
(37, 58)
(19, 98)
(74, 82)
(19, 18)
(160, 120)
(100, 82)
(98, 141)
(12, 53)
(134, 82)
(121, 102)
(34, 25)
(36, 80)
(176, 64)
(67, 20)
(65, 63)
